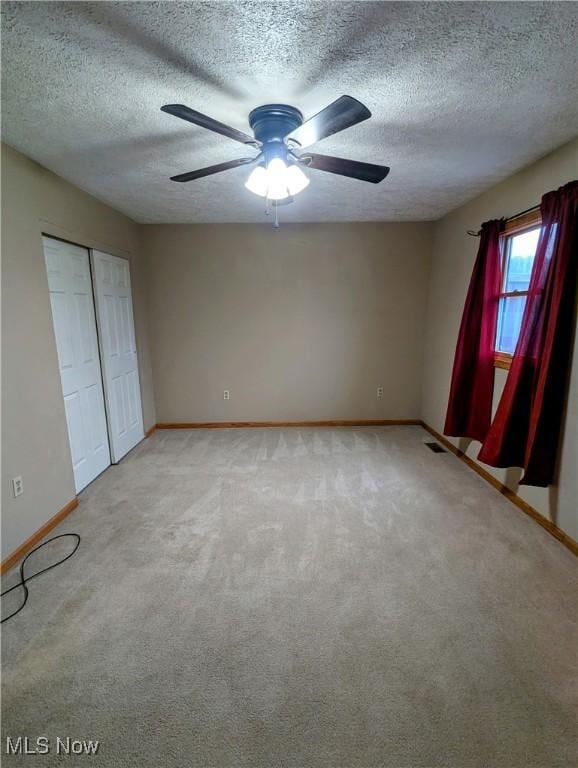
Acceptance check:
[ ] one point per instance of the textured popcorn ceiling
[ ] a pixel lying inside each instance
(462, 95)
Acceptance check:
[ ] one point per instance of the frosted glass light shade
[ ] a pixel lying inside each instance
(258, 181)
(295, 179)
(277, 177)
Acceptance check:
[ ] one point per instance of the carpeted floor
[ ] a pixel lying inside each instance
(304, 598)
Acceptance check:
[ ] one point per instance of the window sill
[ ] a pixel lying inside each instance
(502, 360)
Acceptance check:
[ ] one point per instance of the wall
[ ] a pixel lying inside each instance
(452, 261)
(299, 323)
(34, 435)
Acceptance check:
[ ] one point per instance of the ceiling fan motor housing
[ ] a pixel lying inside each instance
(272, 122)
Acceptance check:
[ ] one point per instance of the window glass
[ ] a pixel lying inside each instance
(509, 322)
(522, 249)
(519, 249)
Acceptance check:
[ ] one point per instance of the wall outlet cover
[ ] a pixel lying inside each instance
(17, 486)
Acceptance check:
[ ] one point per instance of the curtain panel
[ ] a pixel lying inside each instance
(525, 431)
(469, 409)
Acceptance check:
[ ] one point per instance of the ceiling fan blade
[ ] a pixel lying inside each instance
(211, 169)
(352, 168)
(197, 118)
(341, 114)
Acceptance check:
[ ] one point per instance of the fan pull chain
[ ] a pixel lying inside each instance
(268, 211)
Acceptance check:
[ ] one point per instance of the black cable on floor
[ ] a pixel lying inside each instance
(23, 581)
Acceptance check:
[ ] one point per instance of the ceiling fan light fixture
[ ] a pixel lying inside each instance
(276, 181)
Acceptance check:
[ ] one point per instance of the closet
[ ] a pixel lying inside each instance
(97, 357)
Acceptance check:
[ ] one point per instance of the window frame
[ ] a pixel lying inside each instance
(514, 226)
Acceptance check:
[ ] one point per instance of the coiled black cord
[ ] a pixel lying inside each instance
(23, 581)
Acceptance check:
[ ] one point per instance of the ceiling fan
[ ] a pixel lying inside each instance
(280, 136)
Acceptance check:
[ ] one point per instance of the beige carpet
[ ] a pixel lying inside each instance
(300, 598)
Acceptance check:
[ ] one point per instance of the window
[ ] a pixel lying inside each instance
(520, 241)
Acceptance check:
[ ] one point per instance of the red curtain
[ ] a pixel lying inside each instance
(526, 428)
(470, 403)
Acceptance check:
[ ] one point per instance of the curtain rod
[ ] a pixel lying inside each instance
(510, 218)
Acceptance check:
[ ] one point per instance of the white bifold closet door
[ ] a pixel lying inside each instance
(71, 297)
(118, 352)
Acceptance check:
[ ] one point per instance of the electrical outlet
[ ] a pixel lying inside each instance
(226, 394)
(17, 486)
(380, 391)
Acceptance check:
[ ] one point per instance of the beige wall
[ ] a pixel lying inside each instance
(452, 261)
(34, 434)
(303, 322)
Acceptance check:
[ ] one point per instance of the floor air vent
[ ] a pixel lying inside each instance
(435, 447)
